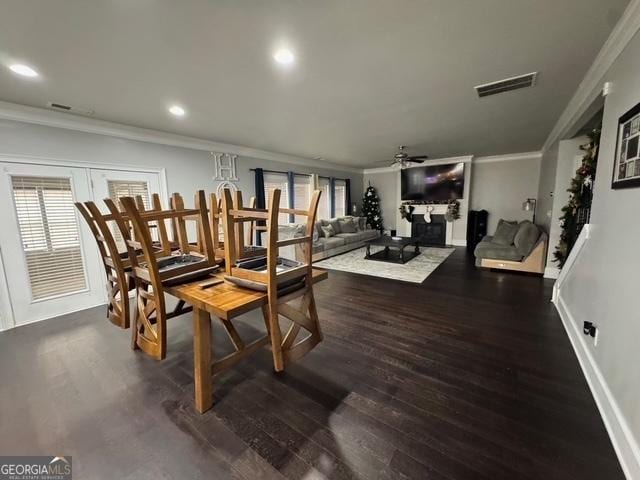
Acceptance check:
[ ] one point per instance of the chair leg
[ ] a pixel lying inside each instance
(265, 316)
(313, 313)
(304, 318)
(273, 320)
(135, 322)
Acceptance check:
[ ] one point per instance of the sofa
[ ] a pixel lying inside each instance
(349, 233)
(514, 246)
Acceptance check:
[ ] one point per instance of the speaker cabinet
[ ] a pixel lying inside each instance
(476, 228)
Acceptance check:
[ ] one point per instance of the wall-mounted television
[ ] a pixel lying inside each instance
(433, 183)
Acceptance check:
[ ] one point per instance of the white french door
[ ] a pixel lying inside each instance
(49, 260)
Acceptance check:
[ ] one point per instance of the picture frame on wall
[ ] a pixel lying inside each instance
(626, 164)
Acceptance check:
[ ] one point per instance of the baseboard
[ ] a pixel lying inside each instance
(622, 438)
(551, 272)
(458, 243)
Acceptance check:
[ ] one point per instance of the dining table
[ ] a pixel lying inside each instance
(226, 301)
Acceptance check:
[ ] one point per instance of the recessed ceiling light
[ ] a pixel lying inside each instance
(177, 111)
(23, 70)
(284, 56)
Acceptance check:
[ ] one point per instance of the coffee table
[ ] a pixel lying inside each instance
(394, 249)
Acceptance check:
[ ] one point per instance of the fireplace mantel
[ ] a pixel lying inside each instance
(404, 227)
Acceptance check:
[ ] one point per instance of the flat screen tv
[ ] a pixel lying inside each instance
(433, 183)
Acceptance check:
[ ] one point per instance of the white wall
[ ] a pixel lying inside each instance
(501, 187)
(603, 284)
(187, 170)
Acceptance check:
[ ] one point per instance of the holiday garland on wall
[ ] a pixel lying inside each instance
(371, 208)
(576, 212)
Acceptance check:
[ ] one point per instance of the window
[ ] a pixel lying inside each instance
(49, 235)
(341, 198)
(302, 192)
(273, 181)
(302, 195)
(126, 188)
(324, 208)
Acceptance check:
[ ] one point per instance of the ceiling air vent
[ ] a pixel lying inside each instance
(506, 85)
(61, 107)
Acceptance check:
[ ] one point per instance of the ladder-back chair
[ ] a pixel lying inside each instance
(116, 264)
(115, 256)
(152, 273)
(284, 280)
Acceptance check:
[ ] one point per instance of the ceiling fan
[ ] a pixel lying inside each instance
(403, 159)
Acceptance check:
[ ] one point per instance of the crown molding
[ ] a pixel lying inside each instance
(436, 161)
(380, 170)
(508, 157)
(593, 82)
(41, 116)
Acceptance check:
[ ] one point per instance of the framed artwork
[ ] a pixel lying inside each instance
(626, 165)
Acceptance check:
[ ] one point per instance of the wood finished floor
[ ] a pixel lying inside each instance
(469, 375)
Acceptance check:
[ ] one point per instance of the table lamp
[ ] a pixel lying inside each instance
(530, 206)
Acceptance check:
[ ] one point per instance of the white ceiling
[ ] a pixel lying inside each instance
(369, 75)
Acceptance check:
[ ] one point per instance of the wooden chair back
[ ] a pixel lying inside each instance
(116, 265)
(274, 278)
(149, 333)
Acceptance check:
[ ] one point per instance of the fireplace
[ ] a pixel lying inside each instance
(434, 233)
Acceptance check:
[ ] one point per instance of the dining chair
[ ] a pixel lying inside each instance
(153, 272)
(116, 264)
(284, 280)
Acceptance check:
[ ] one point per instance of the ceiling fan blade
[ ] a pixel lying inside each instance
(418, 157)
(413, 160)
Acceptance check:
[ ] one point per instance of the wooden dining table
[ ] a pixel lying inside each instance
(226, 301)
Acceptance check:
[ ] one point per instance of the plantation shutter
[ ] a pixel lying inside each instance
(126, 188)
(302, 195)
(280, 181)
(341, 198)
(324, 208)
(49, 235)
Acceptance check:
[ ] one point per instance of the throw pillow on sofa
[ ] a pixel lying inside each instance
(334, 223)
(363, 223)
(526, 237)
(505, 233)
(347, 225)
(301, 229)
(328, 231)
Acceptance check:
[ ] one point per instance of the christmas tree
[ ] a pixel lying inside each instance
(576, 213)
(371, 208)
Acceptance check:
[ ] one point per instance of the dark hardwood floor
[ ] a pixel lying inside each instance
(469, 375)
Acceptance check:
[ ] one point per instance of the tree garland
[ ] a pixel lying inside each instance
(576, 212)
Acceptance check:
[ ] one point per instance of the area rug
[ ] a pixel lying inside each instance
(415, 270)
